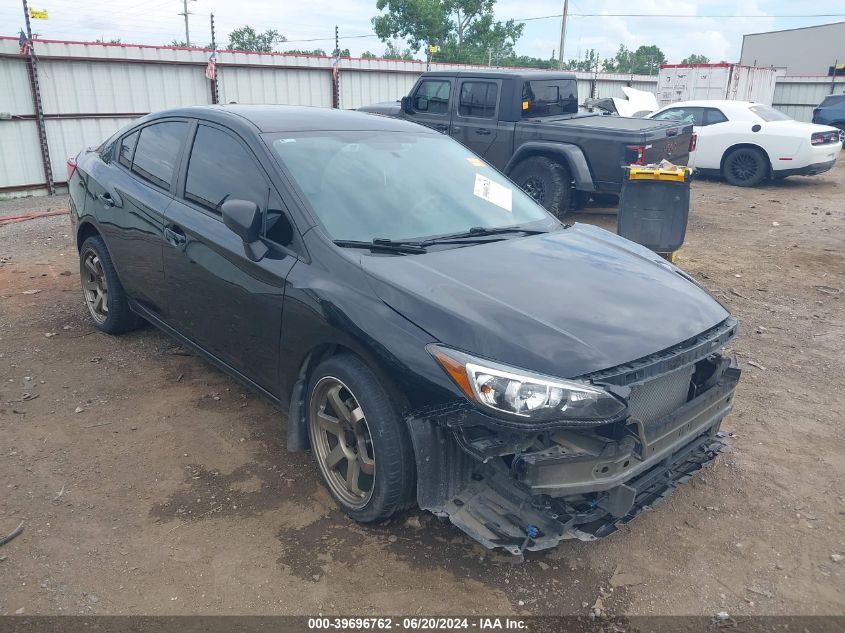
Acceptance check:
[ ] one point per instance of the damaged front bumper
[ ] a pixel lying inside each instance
(528, 492)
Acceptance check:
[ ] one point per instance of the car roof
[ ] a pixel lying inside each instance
(282, 118)
(711, 103)
(487, 73)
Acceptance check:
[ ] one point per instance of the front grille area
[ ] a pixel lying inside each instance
(653, 399)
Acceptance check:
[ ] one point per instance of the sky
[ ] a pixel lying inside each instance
(158, 22)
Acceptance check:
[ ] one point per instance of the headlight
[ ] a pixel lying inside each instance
(517, 392)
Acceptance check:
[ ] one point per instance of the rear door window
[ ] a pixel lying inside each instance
(682, 115)
(157, 153)
(478, 99)
(713, 116)
(549, 97)
(221, 169)
(127, 149)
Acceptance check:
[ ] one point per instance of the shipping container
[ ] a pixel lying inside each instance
(689, 82)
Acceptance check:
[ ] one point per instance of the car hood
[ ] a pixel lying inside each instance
(387, 108)
(565, 303)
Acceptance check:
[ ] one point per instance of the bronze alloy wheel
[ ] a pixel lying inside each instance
(341, 441)
(95, 287)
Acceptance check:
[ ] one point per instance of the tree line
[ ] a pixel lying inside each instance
(461, 31)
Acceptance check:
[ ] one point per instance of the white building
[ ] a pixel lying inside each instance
(812, 50)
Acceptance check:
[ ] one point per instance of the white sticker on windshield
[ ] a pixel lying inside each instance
(493, 192)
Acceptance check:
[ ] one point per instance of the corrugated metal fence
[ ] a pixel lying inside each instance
(797, 96)
(89, 91)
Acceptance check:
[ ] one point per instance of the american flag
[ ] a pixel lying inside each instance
(335, 64)
(211, 69)
(25, 43)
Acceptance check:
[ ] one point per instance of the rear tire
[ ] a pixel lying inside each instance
(547, 181)
(745, 167)
(104, 295)
(360, 443)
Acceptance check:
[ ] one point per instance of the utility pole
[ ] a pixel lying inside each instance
(186, 13)
(32, 67)
(562, 33)
(215, 95)
(336, 70)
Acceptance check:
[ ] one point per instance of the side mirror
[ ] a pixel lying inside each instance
(243, 218)
(421, 104)
(405, 105)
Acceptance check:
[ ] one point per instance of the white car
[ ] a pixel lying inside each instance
(748, 142)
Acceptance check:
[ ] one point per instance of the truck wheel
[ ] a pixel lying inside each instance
(547, 181)
(359, 441)
(745, 167)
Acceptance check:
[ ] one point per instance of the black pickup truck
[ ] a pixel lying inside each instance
(529, 126)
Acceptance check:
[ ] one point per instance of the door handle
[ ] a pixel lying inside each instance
(483, 131)
(175, 236)
(456, 129)
(106, 199)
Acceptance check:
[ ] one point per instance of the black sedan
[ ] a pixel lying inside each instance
(435, 336)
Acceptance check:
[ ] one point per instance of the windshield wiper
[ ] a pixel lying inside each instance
(476, 232)
(382, 244)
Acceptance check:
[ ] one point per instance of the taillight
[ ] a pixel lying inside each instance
(635, 154)
(823, 138)
(693, 141)
(71, 168)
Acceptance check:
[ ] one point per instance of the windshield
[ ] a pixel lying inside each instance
(769, 114)
(549, 97)
(367, 185)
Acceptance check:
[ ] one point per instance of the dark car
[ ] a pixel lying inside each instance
(528, 124)
(434, 335)
(831, 111)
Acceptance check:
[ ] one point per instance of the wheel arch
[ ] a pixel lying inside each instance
(297, 424)
(88, 228)
(85, 230)
(570, 156)
(737, 146)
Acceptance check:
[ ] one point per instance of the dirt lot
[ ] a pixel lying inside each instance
(150, 483)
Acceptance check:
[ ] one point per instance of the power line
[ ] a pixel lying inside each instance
(676, 16)
(326, 39)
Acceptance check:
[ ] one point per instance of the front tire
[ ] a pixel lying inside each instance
(547, 181)
(359, 441)
(745, 167)
(104, 295)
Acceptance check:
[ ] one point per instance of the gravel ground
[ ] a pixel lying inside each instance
(150, 483)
